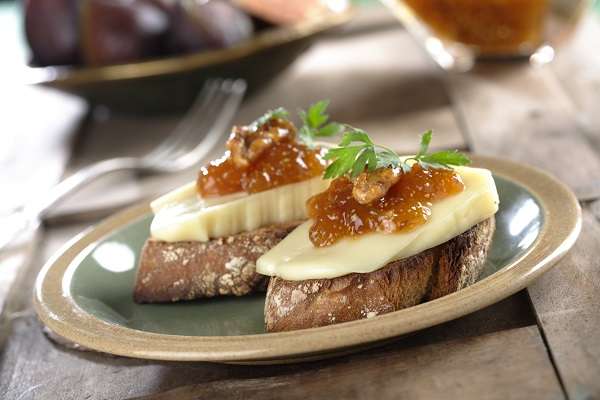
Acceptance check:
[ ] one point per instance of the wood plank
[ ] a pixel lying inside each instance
(447, 370)
(569, 314)
(29, 362)
(577, 67)
(524, 114)
(566, 302)
(578, 71)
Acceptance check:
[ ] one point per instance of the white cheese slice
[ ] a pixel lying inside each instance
(175, 196)
(188, 192)
(296, 258)
(182, 215)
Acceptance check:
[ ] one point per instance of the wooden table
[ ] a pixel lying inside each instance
(542, 343)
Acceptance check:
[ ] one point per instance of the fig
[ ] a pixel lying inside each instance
(198, 25)
(105, 32)
(283, 12)
(51, 30)
(120, 31)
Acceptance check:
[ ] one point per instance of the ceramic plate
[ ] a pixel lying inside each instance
(85, 292)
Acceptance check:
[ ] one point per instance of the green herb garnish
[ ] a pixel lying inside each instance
(315, 123)
(439, 159)
(357, 151)
(279, 112)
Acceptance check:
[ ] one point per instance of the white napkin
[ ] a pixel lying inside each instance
(36, 128)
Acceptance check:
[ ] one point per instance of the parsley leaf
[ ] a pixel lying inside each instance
(355, 135)
(440, 159)
(445, 158)
(315, 123)
(357, 152)
(425, 140)
(316, 113)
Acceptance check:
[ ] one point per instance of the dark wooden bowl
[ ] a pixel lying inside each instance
(170, 84)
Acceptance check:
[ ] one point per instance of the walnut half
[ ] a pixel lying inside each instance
(246, 144)
(236, 144)
(369, 186)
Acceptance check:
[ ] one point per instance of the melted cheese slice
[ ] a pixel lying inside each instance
(188, 193)
(182, 215)
(295, 257)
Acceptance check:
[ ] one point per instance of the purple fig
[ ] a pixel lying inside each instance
(119, 31)
(199, 25)
(51, 30)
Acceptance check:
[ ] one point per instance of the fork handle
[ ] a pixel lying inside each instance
(28, 218)
(70, 185)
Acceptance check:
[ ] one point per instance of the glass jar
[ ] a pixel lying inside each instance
(458, 32)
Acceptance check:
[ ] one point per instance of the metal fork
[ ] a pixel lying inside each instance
(211, 113)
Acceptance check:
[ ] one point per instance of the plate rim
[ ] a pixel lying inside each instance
(58, 311)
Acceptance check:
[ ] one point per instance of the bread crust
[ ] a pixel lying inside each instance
(187, 270)
(404, 283)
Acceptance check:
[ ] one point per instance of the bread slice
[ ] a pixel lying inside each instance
(170, 272)
(428, 275)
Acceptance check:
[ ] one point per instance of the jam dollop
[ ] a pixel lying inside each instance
(260, 158)
(405, 206)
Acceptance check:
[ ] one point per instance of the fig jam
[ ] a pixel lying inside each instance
(281, 160)
(493, 27)
(405, 206)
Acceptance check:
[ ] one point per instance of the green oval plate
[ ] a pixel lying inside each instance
(85, 292)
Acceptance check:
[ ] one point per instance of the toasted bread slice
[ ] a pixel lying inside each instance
(428, 275)
(176, 271)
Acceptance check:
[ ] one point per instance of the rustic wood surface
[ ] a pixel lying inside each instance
(541, 343)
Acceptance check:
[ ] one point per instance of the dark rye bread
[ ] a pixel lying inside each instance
(176, 271)
(426, 276)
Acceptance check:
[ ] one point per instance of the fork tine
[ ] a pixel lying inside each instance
(211, 114)
(213, 121)
(204, 116)
(204, 99)
(234, 91)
